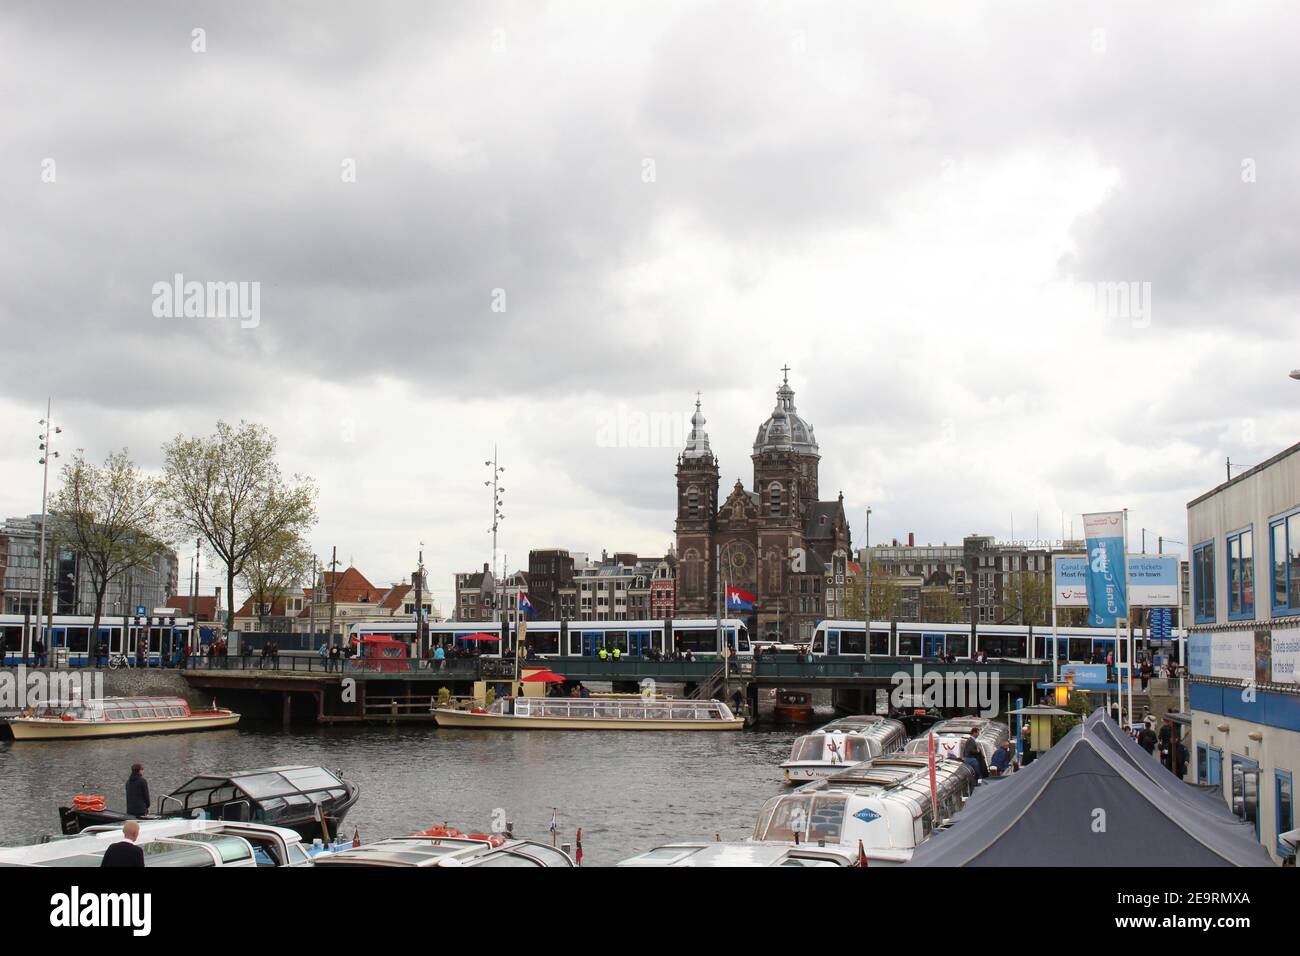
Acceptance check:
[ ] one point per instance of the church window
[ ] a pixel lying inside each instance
(774, 498)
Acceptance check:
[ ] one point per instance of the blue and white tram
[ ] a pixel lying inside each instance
(161, 634)
(701, 637)
(935, 641)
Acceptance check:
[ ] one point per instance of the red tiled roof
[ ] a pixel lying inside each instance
(207, 605)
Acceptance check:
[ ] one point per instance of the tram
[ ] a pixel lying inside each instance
(702, 638)
(163, 632)
(924, 641)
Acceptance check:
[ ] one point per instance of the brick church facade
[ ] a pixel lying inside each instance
(778, 541)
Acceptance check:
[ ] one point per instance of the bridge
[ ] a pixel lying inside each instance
(389, 690)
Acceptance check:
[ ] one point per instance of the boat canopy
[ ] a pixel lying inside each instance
(276, 790)
(116, 708)
(849, 741)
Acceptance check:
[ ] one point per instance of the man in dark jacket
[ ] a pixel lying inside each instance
(125, 852)
(137, 792)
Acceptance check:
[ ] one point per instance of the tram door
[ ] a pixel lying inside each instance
(932, 645)
(591, 644)
(639, 643)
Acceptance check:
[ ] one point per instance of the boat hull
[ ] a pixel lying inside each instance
(462, 718)
(30, 728)
(804, 772)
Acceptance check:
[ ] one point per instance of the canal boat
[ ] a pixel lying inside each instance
(743, 853)
(172, 843)
(793, 707)
(613, 712)
(950, 737)
(454, 849)
(311, 801)
(840, 744)
(116, 717)
(883, 805)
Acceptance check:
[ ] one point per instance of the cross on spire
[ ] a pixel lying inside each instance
(785, 374)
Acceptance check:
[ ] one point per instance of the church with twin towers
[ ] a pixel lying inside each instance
(778, 540)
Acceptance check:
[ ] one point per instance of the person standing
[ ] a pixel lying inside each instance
(440, 657)
(125, 852)
(38, 651)
(1026, 748)
(137, 792)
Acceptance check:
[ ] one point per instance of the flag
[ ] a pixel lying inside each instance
(862, 855)
(1107, 568)
(738, 600)
(526, 606)
(555, 824)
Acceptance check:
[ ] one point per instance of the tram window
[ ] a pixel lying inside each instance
(544, 643)
(909, 645)
(880, 643)
(697, 642)
(1080, 649)
(959, 646)
(617, 639)
(852, 642)
(77, 640)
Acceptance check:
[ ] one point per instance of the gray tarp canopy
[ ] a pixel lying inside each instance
(1046, 815)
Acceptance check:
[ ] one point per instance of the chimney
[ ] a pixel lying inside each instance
(911, 539)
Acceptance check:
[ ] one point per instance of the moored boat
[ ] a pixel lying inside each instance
(116, 717)
(745, 853)
(615, 712)
(172, 843)
(793, 707)
(840, 744)
(445, 847)
(950, 737)
(312, 801)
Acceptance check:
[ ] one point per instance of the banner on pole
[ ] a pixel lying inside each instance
(1107, 575)
(1153, 580)
(1070, 580)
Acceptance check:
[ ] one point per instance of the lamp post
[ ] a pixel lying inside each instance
(47, 452)
(866, 586)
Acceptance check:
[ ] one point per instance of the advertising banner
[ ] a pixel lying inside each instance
(1153, 580)
(1107, 577)
(1070, 580)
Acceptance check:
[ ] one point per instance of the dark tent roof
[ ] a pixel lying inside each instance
(1047, 815)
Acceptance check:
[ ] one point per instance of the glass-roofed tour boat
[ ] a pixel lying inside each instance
(841, 744)
(116, 717)
(299, 798)
(614, 712)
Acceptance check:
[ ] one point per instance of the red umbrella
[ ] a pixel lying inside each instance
(544, 677)
(480, 636)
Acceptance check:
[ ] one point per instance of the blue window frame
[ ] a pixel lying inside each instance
(1284, 807)
(1284, 563)
(1209, 765)
(1203, 582)
(1241, 575)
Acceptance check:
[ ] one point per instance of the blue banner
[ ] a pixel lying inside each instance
(1085, 675)
(1107, 571)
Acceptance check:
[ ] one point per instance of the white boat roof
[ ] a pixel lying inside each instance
(745, 853)
(93, 841)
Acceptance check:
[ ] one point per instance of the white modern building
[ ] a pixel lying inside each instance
(1245, 643)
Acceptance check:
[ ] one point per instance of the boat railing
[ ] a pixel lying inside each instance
(628, 709)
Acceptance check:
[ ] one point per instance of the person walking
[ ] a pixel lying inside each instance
(38, 651)
(1026, 748)
(137, 792)
(125, 852)
(1145, 674)
(440, 657)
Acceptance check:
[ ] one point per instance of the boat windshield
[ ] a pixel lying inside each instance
(810, 747)
(813, 817)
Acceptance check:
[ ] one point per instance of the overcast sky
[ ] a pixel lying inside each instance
(928, 210)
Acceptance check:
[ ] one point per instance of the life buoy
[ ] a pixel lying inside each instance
(83, 801)
(487, 838)
(439, 832)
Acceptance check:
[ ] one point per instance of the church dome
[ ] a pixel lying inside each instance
(784, 430)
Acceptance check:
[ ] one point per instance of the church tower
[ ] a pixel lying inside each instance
(697, 510)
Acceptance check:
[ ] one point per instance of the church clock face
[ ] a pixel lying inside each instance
(739, 565)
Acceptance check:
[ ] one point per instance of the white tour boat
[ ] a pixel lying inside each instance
(116, 717)
(744, 853)
(614, 712)
(172, 843)
(842, 743)
(883, 805)
(950, 737)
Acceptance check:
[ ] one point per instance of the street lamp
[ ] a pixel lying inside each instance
(497, 517)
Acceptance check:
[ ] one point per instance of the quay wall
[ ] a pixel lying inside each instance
(151, 682)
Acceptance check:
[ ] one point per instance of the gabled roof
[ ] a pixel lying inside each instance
(206, 603)
(1047, 815)
(830, 510)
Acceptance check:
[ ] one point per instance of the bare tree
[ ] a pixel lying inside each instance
(282, 562)
(227, 488)
(110, 517)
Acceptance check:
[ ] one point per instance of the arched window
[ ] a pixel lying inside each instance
(693, 501)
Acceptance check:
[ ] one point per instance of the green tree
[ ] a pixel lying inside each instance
(283, 561)
(1026, 599)
(227, 489)
(940, 606)
(886, 596)
(110, 516)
